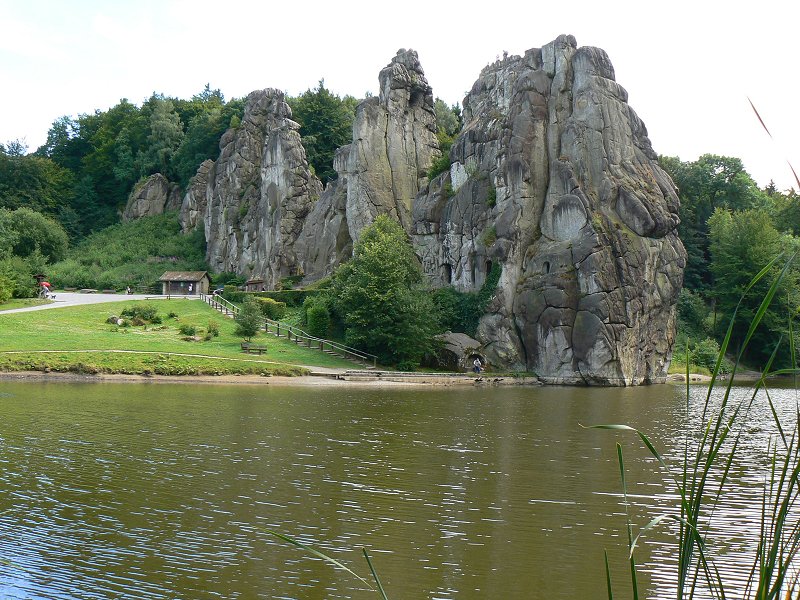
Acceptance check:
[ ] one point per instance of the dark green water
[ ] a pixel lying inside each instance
(166, 491)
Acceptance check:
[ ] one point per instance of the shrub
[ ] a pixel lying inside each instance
(213, 329)
(172, 315)
(318, 318)
(248, 319)
(491, 197)
(187, 329)
(272, 309)
(145, 312)
(439, 166)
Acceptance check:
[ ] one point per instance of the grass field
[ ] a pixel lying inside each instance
(23, 303)
(79, 339)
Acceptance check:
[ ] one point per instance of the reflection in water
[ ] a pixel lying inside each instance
(162, 491)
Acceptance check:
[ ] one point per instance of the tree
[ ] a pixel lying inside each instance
(704, 185)
(248, 319)
(166, 135)
(326, 123)
(741, 244)
(34, 232)
(381, 298)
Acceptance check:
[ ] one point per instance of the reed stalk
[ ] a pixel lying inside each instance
(704, 474)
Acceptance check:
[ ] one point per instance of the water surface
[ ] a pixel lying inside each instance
(167, 491)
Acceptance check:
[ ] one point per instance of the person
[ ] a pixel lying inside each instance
(477, 364)
(128, 290)
(190, 288)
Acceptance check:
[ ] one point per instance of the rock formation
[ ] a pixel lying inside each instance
(153, 196)
(259, 192)
(553, 179)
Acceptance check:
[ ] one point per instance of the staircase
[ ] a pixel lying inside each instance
(300, 337)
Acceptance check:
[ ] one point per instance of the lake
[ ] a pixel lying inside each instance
(168, 491)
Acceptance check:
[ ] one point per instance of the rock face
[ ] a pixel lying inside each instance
(394, 143)
(195, 202)
(154, 196)
(258, 193)
(553, 179)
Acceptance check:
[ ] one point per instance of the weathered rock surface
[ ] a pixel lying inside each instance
(394, 143)
(458, 352)
(259, 192)
(154, 196)
(195, 201)
(553, 179)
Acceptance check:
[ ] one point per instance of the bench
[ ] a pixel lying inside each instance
(253, 348)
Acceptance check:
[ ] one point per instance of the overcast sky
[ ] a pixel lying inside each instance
(689, 67)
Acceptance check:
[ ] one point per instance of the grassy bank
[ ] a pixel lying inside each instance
(79, 339)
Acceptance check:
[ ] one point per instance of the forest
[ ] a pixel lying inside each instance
(60, 209)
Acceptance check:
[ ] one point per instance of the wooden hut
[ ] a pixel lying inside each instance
(184, 283)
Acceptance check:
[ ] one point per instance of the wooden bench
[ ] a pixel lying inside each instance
(253, 348)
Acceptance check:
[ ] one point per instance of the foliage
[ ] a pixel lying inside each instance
(213, 328)
(248, 319)
(272, 309)
(317, 317)
(326, 124)
(27, 231)
(187, 329)
(380, 296)
(86, 169)
(706, 184)
(448, 124)
(136, 253)
(17, 275)
(491, 197)
(35, 183)
(461, 311)
(145, 312)
(741, 244)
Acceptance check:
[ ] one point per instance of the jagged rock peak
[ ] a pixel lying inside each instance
(403, 82)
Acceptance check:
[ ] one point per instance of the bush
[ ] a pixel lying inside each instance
(318, 319)
(187, 329)
(213, 329)
(439, 166)
(145, 312)
(272, 309)
(248, 319)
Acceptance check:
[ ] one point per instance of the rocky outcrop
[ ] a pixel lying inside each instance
(554, 178)
(394, 143)
(195, 202)
(154, 195)
(259, 192)
(553, 181)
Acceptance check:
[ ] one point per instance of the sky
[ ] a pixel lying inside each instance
(689, 67)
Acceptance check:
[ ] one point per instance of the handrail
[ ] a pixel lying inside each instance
(221, 304)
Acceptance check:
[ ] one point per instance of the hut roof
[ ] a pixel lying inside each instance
(183, 275)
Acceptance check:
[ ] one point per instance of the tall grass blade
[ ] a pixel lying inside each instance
(608, 577)
(318, 554)
(374, 575)
(631, 560)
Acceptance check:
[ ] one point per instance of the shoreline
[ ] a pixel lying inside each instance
(313, 380)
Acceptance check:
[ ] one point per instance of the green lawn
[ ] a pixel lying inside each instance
(152, 348)
(23, 303)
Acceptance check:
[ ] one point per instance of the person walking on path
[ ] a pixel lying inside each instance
(477, 365)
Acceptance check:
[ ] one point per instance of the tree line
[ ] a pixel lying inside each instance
(731, 230)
